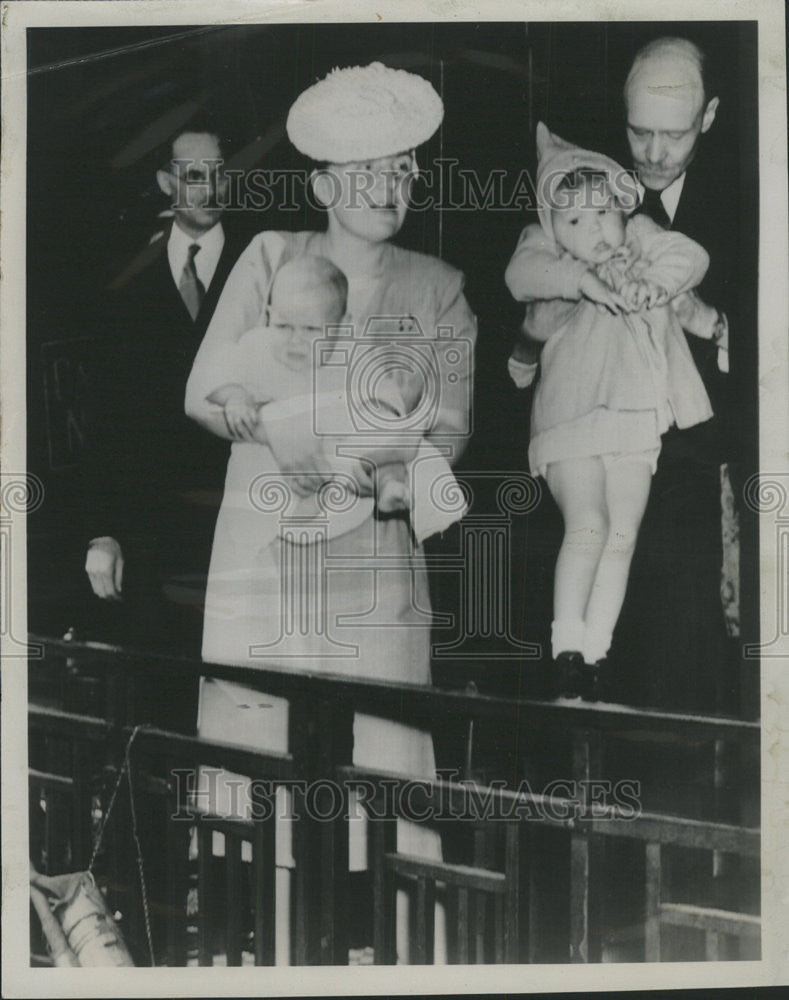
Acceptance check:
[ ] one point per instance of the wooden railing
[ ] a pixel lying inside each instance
(208, 899)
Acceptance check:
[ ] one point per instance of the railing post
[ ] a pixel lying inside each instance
(264, 884)
(483, 858)
(383, 833)
(586, 859)
(424, 922)
(178, 835)
(652, 915)
(306, 885)
(512, 893)
(206, 894)
(232, 898)
(335, 749)
(321, 738)
(80, 807)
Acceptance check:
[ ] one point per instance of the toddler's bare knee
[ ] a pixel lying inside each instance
(622, 540)
(591, 535)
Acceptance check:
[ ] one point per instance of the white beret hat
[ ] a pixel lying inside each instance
(364, 112)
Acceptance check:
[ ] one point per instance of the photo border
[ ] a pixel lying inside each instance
(18, 979)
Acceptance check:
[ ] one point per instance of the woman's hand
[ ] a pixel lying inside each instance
(241, 415)
(597, 291)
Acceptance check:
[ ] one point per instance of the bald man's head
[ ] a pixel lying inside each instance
(667, 109)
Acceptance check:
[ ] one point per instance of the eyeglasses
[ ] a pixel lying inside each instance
(195, 172)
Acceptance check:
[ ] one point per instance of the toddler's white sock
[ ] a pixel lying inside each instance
(596, 644)
(567, 636)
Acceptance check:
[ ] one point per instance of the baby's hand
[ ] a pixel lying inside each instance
(596, 290)
(241, 415)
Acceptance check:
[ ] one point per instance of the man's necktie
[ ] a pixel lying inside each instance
(652, 205)
(190, 286)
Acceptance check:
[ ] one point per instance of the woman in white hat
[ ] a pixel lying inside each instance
(369, 616)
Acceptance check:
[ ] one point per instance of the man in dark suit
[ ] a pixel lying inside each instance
(157, 477)
(672, 646)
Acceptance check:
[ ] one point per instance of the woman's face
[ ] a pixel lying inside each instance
(369, 198)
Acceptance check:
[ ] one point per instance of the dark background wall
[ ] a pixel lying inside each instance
(100, 98)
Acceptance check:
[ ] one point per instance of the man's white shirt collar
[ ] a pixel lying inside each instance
(206, 259)
(669, 196)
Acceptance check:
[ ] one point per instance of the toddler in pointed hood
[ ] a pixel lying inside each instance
(615, 373)
(558, 159)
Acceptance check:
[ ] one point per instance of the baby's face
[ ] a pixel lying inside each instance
(591, 227)
(298, 322)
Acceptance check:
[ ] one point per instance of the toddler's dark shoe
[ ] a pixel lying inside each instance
(596, 681)
(569, 674)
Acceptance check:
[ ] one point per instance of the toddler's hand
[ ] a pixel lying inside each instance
(656, 295)
(241, 415)
(596, 290)
(643, 294)
(634, 293)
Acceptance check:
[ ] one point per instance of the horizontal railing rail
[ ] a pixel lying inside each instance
(423, 701)
(502, 805)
